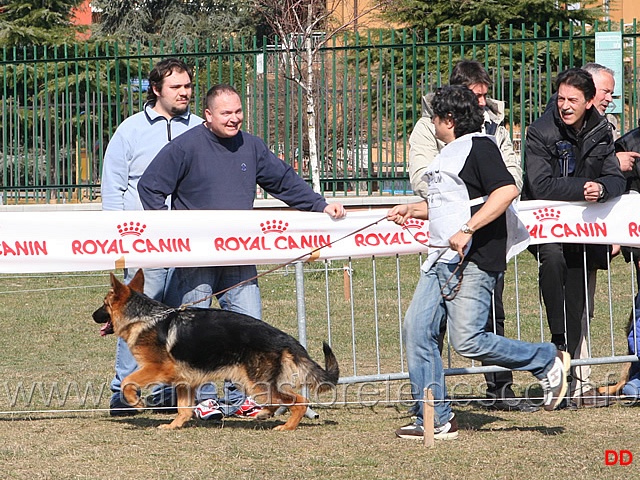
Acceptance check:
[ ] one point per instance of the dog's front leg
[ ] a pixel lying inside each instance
(131, 392)
(142, 378)
(185, 407)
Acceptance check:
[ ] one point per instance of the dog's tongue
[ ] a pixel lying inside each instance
(107, 329)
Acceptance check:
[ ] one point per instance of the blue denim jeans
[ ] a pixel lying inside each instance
(632, 387)
(156, 281)
(192, 284)
(466, 315)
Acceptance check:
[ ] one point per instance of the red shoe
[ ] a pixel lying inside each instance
(248, 409)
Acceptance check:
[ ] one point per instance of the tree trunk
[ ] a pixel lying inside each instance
(314, 164)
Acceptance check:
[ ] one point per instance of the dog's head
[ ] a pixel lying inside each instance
(114, 303)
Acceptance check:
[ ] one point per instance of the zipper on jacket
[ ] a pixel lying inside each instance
(604, 123)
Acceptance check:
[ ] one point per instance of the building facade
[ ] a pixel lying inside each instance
(626, 10)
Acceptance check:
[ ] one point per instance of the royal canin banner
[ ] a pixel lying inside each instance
(104, 240)
(97, 240)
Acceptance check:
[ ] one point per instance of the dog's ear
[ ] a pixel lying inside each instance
(137, 282)
(117, 286)
(114, 281)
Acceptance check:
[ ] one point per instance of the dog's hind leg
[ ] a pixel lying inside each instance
(262, 395)
(185, 407)
(297, 406)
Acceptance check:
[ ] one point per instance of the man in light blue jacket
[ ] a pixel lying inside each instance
(134, 144)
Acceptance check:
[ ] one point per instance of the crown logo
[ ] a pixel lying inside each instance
(131, 228)
(274, 226)
(413, 223)
(545, 214)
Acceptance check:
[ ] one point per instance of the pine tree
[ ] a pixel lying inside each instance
(37, 22)
(430, 14)
(174, 20)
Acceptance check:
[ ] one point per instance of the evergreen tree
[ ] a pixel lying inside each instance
(174, 20)
(37, 22)
(445, 20)
(430, 14)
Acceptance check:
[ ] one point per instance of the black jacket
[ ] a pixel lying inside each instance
(549, 146)
(630, 142)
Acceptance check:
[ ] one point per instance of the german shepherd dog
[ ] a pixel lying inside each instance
(187, 347)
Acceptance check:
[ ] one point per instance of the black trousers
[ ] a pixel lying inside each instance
(562, 286)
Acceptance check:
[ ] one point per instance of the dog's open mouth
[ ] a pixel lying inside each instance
(106, 329)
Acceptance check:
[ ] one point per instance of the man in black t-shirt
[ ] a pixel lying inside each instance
(470, 191)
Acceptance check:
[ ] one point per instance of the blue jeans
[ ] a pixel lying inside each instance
(632, 387)
(156, 281)
(192, 284)
(466, 314)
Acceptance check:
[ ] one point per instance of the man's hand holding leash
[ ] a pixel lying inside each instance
(401, 213)
(497, 203)
(459, 241)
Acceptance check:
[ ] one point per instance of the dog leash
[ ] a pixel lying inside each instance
(313, 254)
(459, 268)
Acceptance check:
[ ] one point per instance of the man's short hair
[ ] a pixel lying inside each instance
(162, 70)
(459, 104)
(595, 69)
(218, 90)
(580, 79)
(469, 72)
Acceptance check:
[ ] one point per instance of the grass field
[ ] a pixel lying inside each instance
(55, 370)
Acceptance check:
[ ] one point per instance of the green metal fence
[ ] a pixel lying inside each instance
(61, 105)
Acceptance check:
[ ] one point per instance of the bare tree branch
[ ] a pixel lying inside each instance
(347, 23)
(304, 27)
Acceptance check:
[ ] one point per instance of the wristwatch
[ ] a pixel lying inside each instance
(466, 229)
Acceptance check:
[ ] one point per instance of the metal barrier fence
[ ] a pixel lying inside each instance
(359, 306)
(61, 105)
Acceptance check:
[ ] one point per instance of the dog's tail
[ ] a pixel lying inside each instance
(318, 378)
(331, 368)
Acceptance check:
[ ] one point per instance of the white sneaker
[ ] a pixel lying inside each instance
(555, 382)
(448, 431)
(208, 410)
(411, 431)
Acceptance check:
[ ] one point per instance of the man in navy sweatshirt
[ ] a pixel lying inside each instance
(216, 166)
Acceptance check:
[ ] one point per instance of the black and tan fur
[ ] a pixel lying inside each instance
(191, 346)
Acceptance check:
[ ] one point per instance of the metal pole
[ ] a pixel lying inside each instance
(300, 305)
(302, 329)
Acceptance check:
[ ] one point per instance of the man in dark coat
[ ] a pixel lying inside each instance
(570, 156)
